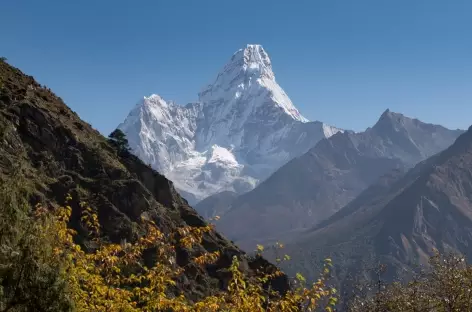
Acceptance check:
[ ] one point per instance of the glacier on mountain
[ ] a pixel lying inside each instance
(242, 129)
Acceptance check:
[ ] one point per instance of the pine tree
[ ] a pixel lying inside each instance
(118, 138)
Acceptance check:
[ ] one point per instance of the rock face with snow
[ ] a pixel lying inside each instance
(243, 128)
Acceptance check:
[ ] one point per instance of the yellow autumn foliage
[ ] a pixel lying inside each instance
(112, 277)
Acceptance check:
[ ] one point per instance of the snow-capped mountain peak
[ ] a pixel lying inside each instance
(246, 87)
(255, 61)
(242, 129)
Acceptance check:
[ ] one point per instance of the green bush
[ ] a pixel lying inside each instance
(30, 277)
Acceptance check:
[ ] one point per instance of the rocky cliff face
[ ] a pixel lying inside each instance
(243, 127)
(58, 153)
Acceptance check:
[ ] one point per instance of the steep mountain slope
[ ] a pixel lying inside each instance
(215, 205)
(243, 128)
(398, 221)
(45, 142)
(312, 187)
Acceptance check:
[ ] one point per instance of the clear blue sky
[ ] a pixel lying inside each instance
(342, 62)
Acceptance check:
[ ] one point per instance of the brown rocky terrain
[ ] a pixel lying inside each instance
(46, 142)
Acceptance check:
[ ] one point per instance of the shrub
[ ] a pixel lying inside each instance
(445, 286)
(114, 278)
(31, 278)
(43, 269)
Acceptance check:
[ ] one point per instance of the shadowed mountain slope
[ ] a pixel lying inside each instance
(312, 187)
(58, 153)
(397, 221)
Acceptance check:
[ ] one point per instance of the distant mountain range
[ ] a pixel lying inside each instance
(390, 194)
(243, 152)
(242, 129)
(312, 187)
(397, 221)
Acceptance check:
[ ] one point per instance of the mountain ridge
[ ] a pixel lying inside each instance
(312, 187)
(59, 154)
(243, 127)
(425, 209)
